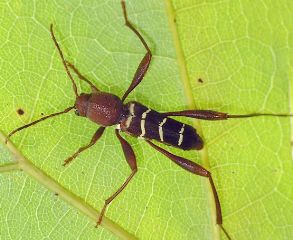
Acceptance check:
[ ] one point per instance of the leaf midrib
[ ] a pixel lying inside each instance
(191, 105)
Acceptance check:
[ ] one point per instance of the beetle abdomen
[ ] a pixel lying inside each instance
(141, 121)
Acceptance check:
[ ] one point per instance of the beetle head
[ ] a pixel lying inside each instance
(81, 104)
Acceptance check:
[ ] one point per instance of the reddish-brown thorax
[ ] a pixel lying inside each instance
(102, 108)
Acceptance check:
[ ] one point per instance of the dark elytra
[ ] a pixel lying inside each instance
(138, 120)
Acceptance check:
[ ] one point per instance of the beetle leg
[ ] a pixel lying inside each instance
(198, 170)
(145, 62)
(214, 115)
(95, 138)
(131, 160)
(81, 77)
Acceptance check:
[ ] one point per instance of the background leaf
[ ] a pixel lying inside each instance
(242, 52)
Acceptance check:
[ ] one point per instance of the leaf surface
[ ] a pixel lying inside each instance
(230, 56)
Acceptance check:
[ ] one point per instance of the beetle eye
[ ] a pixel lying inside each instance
(77, 112)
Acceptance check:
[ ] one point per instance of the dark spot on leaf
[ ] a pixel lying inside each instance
(200, 80)
(20, 111)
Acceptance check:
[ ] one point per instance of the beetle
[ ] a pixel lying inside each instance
(138, 120)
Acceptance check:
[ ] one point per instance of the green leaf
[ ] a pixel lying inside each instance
(241, 51)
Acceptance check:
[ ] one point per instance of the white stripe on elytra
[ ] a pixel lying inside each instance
(161, 129)
(130, 117)
(180, 140)
(142, 122)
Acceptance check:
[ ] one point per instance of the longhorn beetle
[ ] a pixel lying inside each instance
(138, 120)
